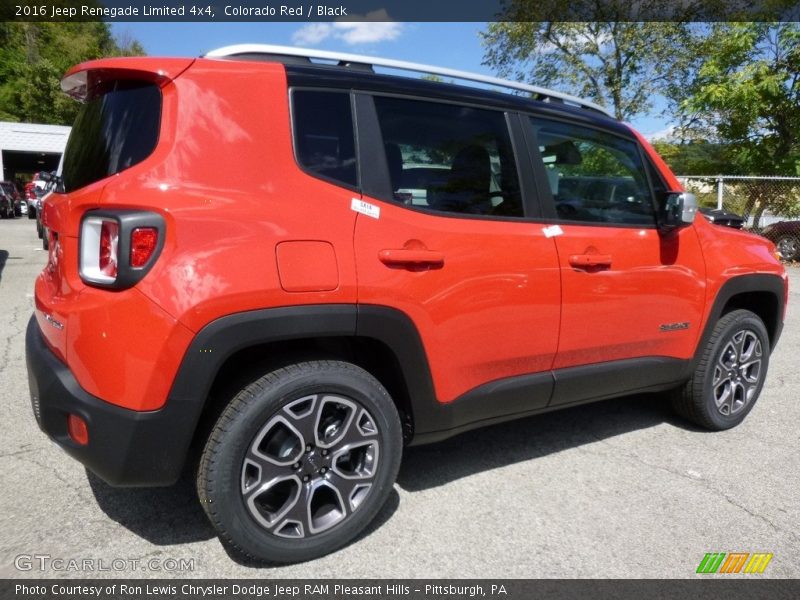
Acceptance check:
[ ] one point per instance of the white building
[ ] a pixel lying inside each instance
(28, 147)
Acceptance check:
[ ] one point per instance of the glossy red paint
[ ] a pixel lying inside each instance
(489, 310)
(614, 311)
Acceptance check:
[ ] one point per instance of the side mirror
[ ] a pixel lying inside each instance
(677, 210)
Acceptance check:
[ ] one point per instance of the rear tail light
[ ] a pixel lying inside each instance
(118, 248)
(144, 241)
(109, 242)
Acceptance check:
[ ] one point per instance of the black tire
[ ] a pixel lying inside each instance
(266, 423)
(45, 241)
(788, 247)
(31, 212)
(730, 375)
(39, 231)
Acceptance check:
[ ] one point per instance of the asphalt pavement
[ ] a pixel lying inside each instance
(616, 489)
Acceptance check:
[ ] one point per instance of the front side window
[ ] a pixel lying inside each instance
(323, 135)
(594, 176)
(449, 158)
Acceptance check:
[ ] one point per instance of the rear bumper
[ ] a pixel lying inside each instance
(126, 447)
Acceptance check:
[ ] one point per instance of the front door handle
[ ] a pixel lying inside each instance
(402, 257)
(582, 261)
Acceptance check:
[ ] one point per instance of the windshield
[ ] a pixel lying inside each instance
(111, 133)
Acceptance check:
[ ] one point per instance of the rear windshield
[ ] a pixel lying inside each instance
(111, 133)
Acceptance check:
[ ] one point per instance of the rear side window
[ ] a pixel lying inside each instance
(323, 135)
(449, 158)
(594, 176)
(111, 133)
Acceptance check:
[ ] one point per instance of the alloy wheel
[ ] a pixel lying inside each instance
(738, 372)
(310, 466)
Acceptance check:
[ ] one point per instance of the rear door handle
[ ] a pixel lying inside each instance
(590, 260)
(411, 258)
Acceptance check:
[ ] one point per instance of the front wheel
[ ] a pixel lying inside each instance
(730, 374)
(301, 461)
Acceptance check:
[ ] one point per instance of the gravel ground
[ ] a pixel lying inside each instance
(616, 489)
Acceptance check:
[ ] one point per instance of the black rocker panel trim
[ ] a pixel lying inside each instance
(525, 395)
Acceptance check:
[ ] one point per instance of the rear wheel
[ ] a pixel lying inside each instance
(301, 461)
(731, 372)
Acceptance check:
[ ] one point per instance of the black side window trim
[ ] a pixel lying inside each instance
(546, 196)
(372, 158)
(292, 123)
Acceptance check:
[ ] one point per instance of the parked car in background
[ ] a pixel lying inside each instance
(29, 193)
(12, 192)
(6, 204)
(719, 216)
(786, 237)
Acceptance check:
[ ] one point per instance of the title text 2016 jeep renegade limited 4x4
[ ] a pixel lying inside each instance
(288, 270)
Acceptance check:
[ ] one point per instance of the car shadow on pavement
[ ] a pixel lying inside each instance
(162, 516)
(426, 467)
(173, 515)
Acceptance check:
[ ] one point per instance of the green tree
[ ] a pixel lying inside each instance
(619, 65)
(695, 157)
(34, 57)
(745, 95)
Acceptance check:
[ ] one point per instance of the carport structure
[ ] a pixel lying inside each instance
(26, 148)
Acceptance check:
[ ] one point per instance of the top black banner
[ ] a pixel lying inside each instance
(400, 10)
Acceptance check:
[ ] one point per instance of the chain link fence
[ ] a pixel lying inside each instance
(768, 206)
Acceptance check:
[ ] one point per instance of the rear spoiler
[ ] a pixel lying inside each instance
(90, 79)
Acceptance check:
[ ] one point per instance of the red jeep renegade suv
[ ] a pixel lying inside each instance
(287, 270)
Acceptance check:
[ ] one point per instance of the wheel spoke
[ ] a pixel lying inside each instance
(723, 394)
(325, 506)
(356, 461)
(274, 499)
(751, 371)
(278, 442)
(334, 418)
(298, 513)
(727, 357)
(352, 491)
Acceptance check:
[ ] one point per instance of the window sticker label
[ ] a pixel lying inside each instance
(365, 208)
(552, 231)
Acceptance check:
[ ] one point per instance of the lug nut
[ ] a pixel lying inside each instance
(323, 470)
(324, 452)
(308, 447)
(296, 466)
(306, 478)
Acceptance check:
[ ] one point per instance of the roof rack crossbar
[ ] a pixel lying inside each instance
(341, 57)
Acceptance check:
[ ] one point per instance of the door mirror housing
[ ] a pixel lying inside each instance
(677, 210)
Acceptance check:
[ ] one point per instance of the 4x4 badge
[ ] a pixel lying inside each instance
(674, 326)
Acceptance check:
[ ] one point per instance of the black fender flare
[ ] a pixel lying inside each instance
(216, 342)
(742, 284)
